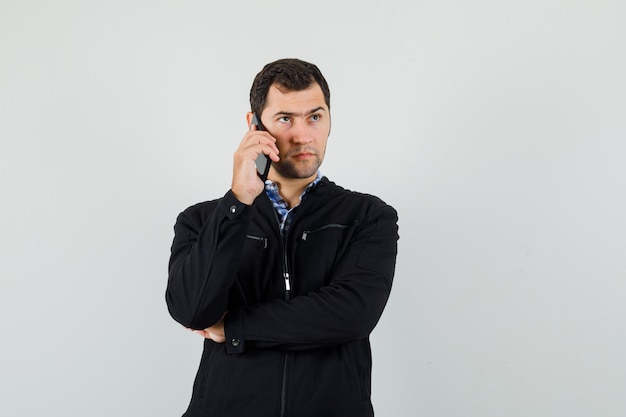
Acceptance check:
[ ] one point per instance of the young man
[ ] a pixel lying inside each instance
(287, 279)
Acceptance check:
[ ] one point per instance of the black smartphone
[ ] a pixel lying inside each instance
(263, 162)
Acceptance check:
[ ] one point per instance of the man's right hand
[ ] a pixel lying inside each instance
(246, 184)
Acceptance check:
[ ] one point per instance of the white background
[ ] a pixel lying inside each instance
(495, 128)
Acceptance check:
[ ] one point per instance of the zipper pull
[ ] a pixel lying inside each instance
(304, 235)
(287, 284)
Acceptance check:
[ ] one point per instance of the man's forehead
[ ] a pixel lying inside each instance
(281, 99)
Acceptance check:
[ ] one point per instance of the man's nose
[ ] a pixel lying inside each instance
(301, 132)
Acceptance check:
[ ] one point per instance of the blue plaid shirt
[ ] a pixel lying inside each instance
(280, 205)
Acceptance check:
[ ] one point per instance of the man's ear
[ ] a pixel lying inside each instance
(249, 119)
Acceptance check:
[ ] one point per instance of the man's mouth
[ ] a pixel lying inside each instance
(305, 154)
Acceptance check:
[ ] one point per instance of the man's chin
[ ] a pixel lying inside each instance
(293, 171)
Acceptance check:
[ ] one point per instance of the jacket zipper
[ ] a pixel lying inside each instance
(286, 278)
(286, 274)
(306, 233)
(283, 390)
(263, 240)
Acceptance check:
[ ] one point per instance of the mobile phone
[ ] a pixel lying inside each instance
(263, 162)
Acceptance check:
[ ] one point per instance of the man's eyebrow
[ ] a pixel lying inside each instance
(292, 114)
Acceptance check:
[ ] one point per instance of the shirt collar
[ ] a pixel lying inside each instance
(280, 205)
(271, 188)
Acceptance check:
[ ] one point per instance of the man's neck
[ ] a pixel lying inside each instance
(290, 189)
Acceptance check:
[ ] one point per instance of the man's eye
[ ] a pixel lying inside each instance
(315, 117)
(284, 119)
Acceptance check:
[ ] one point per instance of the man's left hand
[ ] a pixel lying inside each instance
(215, 332)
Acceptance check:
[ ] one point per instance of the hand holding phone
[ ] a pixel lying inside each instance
(263, 162)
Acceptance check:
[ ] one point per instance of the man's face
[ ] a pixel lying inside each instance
(300, 122)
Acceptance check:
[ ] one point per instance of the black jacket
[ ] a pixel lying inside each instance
(299, 309)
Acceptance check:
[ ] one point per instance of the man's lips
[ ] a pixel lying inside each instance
(306, 154)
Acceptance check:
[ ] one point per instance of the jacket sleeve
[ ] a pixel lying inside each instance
(345, 310)
(203, 261)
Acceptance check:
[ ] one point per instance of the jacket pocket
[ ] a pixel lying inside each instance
(318, 249)
(260, 241)
(307, 233)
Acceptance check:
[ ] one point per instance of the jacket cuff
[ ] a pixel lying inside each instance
(235, 209)
(233, 332)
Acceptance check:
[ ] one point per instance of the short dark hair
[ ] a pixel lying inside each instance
(289, 73)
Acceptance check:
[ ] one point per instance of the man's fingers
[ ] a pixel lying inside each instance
(263, 142)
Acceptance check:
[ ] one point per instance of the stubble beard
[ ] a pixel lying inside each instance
(294, 169)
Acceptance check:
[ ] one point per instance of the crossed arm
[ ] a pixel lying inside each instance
(215, 332)
(346, 309)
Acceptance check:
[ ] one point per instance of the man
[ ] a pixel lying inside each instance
(287, 279)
